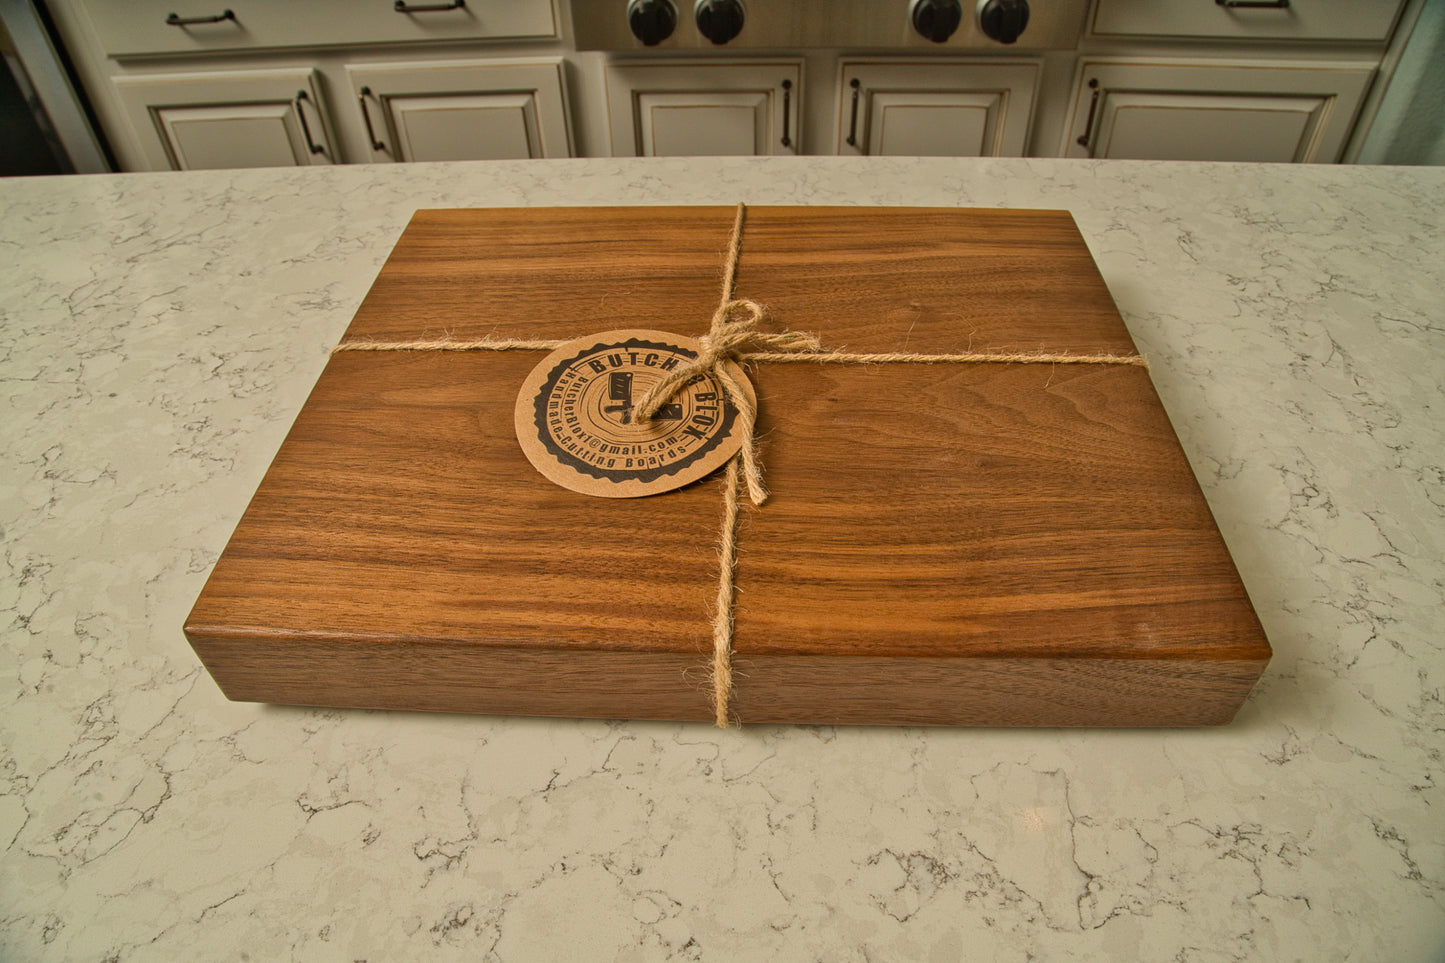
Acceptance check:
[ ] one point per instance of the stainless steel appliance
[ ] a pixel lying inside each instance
(46, 128)
(941, 25)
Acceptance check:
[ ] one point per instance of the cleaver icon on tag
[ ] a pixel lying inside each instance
(619, 389)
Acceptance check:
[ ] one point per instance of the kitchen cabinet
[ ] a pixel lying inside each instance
(148, 28)
(935, 108)
(492, 79)
(693, 108)
(1213, 110)
(1313, 20)
(244, 118)
(182, 86)
(441, 111)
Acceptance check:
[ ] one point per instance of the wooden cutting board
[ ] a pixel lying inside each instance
(967, 544)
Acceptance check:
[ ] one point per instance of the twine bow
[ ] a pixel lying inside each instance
(734, 326)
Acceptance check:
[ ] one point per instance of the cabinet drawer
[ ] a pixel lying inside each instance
(141, 27)
(1358, 20)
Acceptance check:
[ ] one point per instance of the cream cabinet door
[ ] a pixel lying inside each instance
(443, 111)
(1214, 111)
(705, 109)
(222, 119)
(936, 108)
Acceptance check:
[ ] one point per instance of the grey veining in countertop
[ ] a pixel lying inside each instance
(161, 331)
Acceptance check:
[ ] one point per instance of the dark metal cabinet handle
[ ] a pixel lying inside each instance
(787, 105)
(301, 98)
(1254, 4)
(853, 123)
(366, 116)
(401, 6)
(176, 20)
(1093, 106)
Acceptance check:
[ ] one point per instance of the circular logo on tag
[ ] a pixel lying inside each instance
(575, 420)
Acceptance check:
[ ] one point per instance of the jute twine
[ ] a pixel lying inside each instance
(734, 329)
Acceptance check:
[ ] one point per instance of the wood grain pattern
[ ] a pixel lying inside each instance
(962, 544)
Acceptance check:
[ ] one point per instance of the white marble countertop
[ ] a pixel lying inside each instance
(160, 331)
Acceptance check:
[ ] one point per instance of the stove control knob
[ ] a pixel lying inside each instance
(1003, 20)
(937, 19)
(719, 20)
(652, 21)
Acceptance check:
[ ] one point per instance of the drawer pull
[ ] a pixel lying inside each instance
(1093, 106)
(301, 98)
(787, 104)
(176, 20)
(366, 115)
(401, 6)
(853, 123)
(1254, 4)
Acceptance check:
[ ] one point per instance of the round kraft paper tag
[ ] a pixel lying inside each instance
(574, 416)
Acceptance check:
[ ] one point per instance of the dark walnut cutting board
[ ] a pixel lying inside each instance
(965, 544)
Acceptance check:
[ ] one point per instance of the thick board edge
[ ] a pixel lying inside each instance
(841, 690)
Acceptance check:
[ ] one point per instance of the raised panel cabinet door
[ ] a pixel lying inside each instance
(702, 124)
(466, 127)
(933, 124)
(1215, 111)
(936, 109)
(705, 109)
(1209, 127)
(228, 119)
(442, 111)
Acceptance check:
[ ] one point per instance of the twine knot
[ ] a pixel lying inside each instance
(734, 326)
